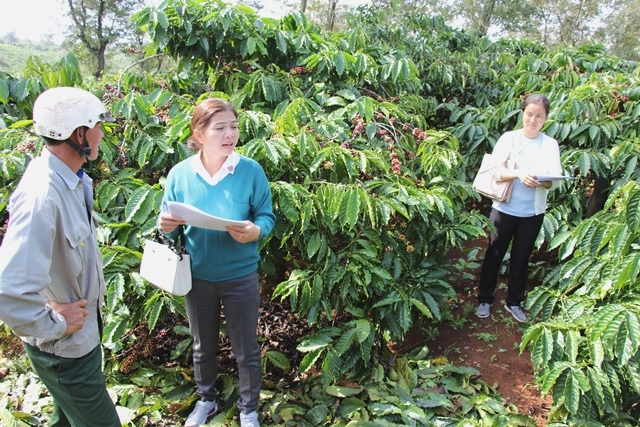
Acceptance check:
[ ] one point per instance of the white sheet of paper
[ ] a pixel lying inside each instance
(554, 178)
(197, 218)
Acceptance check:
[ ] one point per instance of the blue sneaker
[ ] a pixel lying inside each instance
(516, 312)
(249, 420)
(484, 310)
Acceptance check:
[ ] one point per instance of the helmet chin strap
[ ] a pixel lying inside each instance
(84, 151)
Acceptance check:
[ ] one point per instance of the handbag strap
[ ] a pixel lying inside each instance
(177, 245)
(181, 241)
(513, 144)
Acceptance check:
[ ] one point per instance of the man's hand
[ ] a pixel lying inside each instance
(74, 313)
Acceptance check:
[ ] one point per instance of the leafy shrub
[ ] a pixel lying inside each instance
(370, 139)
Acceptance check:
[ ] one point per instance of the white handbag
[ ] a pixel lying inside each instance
(486, 185)
(166, 264)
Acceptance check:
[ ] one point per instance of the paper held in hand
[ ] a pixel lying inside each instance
(197, 218)
(554, 178)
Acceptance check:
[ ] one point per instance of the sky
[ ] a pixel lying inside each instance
(33, 19)
(38, 19)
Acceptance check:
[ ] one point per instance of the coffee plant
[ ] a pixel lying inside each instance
(370, 139)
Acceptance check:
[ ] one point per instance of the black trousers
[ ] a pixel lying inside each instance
(523, 232)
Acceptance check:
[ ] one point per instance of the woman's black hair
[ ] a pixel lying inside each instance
(537, 99)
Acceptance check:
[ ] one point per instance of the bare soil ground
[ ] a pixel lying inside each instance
(491, 345)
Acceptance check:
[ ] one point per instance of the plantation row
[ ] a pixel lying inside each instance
(370, 139)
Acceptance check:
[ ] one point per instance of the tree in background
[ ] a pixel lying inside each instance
(331, 15)
(549, 22)
(497, 17)
(99, 23)
(10, 38)
(621, 30)
(570, 22)
(480, 15)
(395, 10)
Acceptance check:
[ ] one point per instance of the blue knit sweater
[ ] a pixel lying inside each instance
(243, 195)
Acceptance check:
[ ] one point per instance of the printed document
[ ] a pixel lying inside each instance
(554, 178)
(197, 218)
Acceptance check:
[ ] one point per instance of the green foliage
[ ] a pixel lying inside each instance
(358, 233)
(370, 139)
(412, 391)
(587, 346)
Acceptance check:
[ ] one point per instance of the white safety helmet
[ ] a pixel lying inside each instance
(59, 111)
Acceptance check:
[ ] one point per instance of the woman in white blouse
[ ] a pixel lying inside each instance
(519, 220)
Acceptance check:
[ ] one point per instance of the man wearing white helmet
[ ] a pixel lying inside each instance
(51, 282)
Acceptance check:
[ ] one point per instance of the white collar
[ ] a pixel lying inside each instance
(228, 167)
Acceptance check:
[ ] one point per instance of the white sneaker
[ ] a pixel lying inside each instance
(204, 410)
(249, 420)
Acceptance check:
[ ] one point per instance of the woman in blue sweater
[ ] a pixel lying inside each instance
(220, 182)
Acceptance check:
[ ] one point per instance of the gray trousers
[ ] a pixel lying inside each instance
(239, 299)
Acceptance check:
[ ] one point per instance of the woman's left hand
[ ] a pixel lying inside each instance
(532, 181)
(529, 180)
(244, 234)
